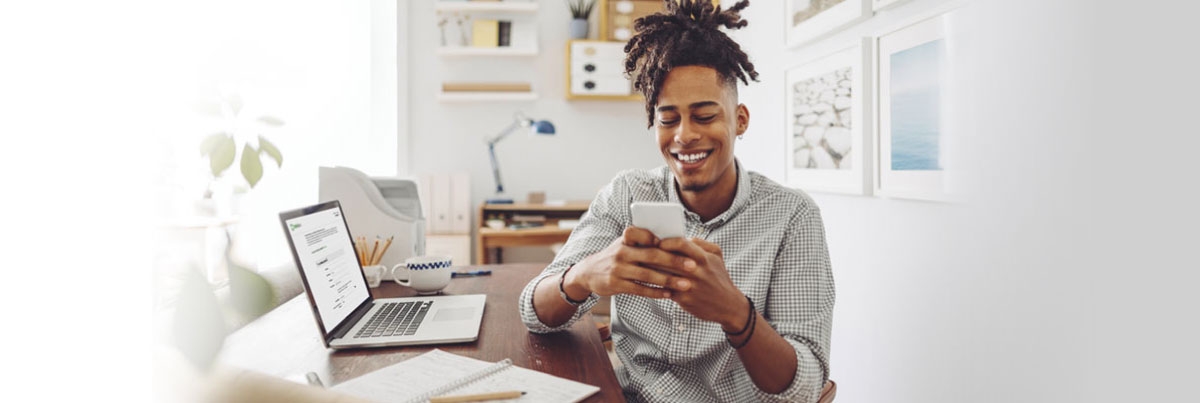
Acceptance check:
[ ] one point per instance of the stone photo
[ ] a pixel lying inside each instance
(821, 121)
(827, 104)
(805, 9)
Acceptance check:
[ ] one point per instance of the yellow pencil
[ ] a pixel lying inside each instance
(477, 397)
(385, 248)
(374, 260)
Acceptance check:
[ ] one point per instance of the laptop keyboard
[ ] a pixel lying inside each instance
(396, 319)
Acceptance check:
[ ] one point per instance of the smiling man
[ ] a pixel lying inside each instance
(739, 310)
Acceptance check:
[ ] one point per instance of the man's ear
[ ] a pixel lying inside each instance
(743, 118)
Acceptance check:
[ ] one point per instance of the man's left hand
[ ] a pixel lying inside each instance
(706, 290)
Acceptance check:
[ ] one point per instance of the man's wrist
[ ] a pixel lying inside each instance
(574, 289)
(737, 317)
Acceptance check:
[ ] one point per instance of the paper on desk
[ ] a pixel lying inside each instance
(414, 377)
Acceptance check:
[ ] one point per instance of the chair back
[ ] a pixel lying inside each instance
(828, 392)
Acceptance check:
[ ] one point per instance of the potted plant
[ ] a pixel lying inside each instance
(239, 139)
(580, 10)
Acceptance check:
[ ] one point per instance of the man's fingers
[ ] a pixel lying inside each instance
(709, 247)
(638, 237)
(684, 247)
(662, 260)
(633, 288)
(655, 277)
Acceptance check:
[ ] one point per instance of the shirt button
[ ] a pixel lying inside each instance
(681, 328)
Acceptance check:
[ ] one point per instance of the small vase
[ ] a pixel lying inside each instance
(578, 28)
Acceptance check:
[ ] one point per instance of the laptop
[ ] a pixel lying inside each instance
(346, 314)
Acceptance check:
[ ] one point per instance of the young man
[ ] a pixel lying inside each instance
(738, 311)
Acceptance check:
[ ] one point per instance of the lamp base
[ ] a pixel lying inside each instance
(499, 200)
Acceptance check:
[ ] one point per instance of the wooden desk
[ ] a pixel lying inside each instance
(286, 343)
(488, 238)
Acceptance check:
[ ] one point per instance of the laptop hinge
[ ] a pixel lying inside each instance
(351, 320)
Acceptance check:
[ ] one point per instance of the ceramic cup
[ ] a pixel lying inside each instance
(425, 274)
(374, 274)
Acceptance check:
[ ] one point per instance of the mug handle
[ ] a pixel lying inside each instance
(406, 283)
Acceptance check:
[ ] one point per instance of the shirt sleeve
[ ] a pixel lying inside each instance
(799, 304)
(599, 226)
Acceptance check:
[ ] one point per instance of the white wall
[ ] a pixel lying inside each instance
(1069, 273)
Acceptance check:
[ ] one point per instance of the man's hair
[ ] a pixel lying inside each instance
(687, 33)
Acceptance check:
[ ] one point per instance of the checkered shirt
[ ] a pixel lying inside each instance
(774, 247)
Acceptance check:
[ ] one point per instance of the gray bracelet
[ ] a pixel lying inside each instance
(562, 291)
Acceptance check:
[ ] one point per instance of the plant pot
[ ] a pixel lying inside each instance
(578, 28)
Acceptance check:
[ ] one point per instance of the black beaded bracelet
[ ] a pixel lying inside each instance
(753, 324)
(749, 317)
(563, 291)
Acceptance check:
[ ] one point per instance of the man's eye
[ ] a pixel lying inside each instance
(705, 119)
(666, 122)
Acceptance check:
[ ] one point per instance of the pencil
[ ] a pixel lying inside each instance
(374, 260)
(512, 394)
(385, 248)
(361, 244)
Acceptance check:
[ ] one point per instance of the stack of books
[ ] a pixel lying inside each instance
(491, 33)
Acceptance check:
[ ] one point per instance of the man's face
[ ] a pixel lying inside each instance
(697, 120)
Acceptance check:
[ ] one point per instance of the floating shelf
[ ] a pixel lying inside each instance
(486, 6)
(472, 51)
(486, 96)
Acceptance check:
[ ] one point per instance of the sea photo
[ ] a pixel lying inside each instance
(916, 107)
(912, 150)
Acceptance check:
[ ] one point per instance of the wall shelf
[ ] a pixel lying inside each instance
(486, 96)
(497, 51)
(487, 6)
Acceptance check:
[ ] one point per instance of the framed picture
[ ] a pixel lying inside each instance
(912, 141)
(807, 20)
(882, 4)
(828, 120)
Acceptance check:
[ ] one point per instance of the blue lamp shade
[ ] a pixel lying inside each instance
(543, 127)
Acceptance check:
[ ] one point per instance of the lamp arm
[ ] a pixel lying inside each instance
(504, 133)
(495, 166)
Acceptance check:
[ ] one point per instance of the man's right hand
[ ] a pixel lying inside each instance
(628, 266)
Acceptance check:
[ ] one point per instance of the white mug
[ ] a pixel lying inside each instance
(426, 274)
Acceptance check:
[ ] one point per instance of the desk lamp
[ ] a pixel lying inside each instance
(520, 121)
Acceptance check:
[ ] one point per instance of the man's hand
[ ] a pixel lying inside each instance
(629, 265)
(705, 289)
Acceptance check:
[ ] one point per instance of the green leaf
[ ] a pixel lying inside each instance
(252, 168)
(266, 147)
(250, 293)
(271, 120)
(221, 158)
(210, 143)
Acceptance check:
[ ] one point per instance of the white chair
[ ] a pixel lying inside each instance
(383, 207)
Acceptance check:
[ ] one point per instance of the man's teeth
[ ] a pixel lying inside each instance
(692, 157)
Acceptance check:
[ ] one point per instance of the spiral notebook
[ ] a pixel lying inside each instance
(438, 373)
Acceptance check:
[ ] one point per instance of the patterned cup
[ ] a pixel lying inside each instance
(426, 274)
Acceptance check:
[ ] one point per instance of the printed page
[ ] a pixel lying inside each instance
(539, 387)
(410, 378)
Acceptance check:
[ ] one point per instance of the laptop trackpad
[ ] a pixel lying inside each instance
(450, 314)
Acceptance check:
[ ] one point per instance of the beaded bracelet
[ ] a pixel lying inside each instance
(562, 291)
(753, 324)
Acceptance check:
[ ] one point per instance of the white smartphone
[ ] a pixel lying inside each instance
(665, 220)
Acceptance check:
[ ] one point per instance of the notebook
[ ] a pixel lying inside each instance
(346, 313)
(438, 373)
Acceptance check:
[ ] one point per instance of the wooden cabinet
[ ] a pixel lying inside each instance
(554, 226)
(596, 70)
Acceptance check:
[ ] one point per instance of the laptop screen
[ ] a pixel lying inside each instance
(322, 245)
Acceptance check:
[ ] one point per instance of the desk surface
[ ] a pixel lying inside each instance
(286, 343)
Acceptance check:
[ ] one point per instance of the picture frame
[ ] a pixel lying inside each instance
(913, 145)
(808, 20)
(828, 120)
(877, 5)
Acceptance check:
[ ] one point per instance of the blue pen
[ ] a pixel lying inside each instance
(470, 273)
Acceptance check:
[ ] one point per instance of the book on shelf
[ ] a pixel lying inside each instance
(485, 33)
(439, 373)
(529, 218)
(486, 87)
(505, 34)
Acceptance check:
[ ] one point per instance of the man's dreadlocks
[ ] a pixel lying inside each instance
(687, 33)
